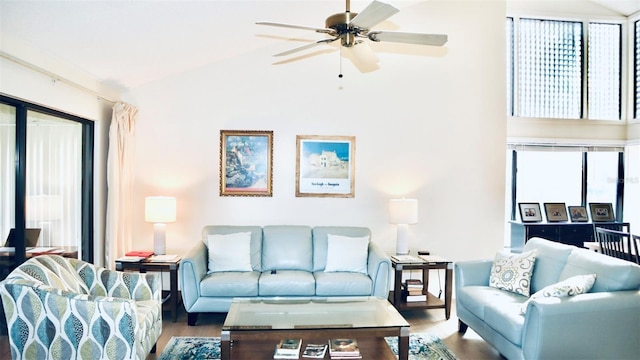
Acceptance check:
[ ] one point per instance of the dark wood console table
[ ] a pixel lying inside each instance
(572, 233)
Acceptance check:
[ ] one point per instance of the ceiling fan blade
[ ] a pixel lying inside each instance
(362, 57)
(299, 27)
(305, 47)
(409, 38)
(373, 14)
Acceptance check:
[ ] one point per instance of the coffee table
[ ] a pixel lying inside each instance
(254, 326)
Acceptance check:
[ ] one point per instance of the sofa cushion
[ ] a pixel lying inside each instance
(512, 272)
(229, 252)
(287, 283)
(345, 253)
(551, 257)
(505, 318)
(611, 274)
(230, 284)
(477, 298)
(342, 284)
(572, 286)
(320, 235)
(256, 239)
(286, 247)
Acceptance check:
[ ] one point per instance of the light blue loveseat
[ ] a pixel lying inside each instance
(601, 324)
(286, 261)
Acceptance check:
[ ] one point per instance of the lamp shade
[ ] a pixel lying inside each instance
(160, 209)
(403, 211)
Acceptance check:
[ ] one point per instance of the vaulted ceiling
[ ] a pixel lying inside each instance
(125, 44)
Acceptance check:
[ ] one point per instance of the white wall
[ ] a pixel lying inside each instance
(429, 124)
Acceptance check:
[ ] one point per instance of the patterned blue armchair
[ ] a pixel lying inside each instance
(60, 308)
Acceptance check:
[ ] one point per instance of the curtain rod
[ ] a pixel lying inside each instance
(53, 76)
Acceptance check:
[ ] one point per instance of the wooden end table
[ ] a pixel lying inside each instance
(153, 266)
(423, 263)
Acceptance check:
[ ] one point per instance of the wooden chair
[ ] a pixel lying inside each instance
(615, 243)
(635, 243)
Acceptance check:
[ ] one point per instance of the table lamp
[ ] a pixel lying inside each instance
(159, 210)
(403, 212)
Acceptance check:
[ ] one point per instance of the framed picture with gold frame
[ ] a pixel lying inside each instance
(601, 212)
(556, 212)
(325, 166)
(246, 160)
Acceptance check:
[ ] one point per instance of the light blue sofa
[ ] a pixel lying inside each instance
(298, 254)
(601, 324)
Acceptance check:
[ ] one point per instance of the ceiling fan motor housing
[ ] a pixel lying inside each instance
(340, 23)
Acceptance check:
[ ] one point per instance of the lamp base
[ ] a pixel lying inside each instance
(402, 243)
(159, 238)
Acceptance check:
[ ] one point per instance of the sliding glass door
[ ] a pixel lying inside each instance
(46, 177)
(7, 170)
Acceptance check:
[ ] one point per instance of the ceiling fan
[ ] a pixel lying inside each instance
(350, 28)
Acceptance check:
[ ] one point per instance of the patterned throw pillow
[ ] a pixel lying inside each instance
(575, 285)
(512, 272)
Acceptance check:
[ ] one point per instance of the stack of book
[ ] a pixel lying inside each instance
(413, 290)
(344, 349)
(288, 349)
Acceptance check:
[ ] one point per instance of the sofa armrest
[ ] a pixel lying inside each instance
(472, 273)
(587, 326)
(193, 268)
(379, 269)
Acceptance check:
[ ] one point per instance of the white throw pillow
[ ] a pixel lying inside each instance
(229, 252)
(512, 272)
(347, 254)
(575, 285)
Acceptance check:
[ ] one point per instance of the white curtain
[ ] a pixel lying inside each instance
(54, 177)
(120, 166)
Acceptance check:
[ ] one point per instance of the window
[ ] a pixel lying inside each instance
(574, 175)
(46, 162)
(604, 71)
(547, 73)
(637, 58)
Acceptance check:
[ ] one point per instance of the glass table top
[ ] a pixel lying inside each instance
(315, 313)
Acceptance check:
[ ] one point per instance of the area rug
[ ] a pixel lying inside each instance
(421, 347)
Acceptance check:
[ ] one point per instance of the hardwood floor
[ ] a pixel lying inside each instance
(466, 347)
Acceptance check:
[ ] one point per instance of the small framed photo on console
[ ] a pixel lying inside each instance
(530, 212)
(601, 212)
(556, 212)
(578, 214)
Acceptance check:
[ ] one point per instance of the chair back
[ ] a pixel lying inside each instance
(635, 244)
(615, 243)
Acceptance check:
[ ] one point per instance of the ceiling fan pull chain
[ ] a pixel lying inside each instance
(340, 75)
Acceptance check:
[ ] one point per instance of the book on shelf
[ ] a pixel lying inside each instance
(413, 287)
(344, 349)
(315, 351)
(415, 298)
(288, 349)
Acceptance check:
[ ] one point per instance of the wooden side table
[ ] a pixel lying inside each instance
(170, 266)
(423, 263)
